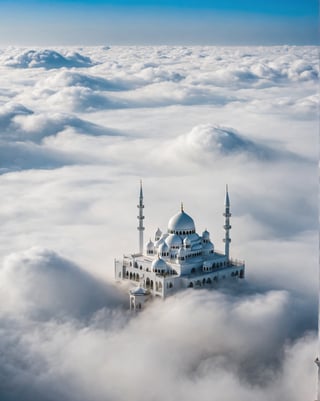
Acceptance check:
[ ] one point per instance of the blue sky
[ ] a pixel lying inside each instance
(101, 22)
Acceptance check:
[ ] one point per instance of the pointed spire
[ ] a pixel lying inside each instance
(182, 207)
(227, 201)
(141, 193)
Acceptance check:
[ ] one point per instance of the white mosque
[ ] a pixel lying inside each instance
(177, 259)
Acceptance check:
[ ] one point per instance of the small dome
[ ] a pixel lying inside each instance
(163, 248)
(159, 265)
(173, 240)
(157, 234)
(187, 242)
(181, 252)
(193, 237)
(181, 222)
(206, 235)
(207, 246)
(150, 245)
(139, 291)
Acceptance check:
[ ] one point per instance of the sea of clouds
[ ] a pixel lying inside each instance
(78, 128)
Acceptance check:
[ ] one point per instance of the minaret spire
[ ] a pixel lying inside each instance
(227, 225)
(140, 218)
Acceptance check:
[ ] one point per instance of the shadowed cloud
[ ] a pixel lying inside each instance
(48, 59)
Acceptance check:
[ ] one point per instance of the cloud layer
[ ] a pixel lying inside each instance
(78, 128)
(216, 345)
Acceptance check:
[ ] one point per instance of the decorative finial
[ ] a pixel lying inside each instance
(181, 206)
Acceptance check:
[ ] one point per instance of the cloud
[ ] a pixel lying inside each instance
(28, 155)
(209, 141)
(19, 123)
(71, 78)
(187, 120)
(199, 343)
(42, 284)
(48, 59)
(23, 133)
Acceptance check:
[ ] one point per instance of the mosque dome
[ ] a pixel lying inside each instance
(208, 245)
(159, 266)
(139, 291)
(158, 234)
(206, 235)
(181, 223)
(173, 241)
(163, 248)
(149, 246)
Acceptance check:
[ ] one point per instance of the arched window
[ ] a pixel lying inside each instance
(190, 285)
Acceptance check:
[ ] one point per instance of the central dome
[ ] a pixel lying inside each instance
(181, 224)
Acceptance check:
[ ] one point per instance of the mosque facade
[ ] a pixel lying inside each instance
(176, 259)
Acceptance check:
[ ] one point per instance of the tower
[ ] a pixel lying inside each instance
(227, 225)
(317, 361)
(140, 218)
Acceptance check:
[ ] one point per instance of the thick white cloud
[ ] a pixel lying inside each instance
(47, 59)
(212, 344)
(76, 136)
(40, 283)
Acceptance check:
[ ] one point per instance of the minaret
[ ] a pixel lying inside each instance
(140, 218)
(227, 226)
(317, 361)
